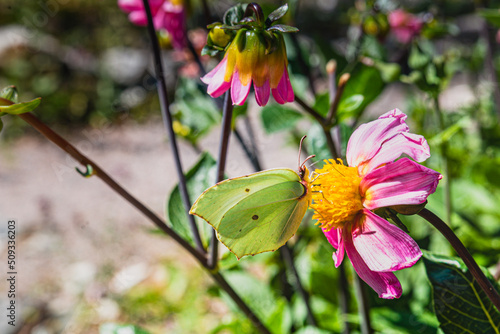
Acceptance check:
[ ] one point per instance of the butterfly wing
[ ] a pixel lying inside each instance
(215, 202)
(265, 220)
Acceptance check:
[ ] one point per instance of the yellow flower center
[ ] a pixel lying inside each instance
(336, 196)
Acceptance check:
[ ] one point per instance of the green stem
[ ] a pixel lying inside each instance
(459, 247)
(167, 120)
(446, 164)
(227, 116)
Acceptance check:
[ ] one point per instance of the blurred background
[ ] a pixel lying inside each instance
(88, 260)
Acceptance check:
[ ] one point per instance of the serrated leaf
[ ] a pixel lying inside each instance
(283, 28)
(460, 304)
(277, 118)
(10, 93)
(200, 177)
(20, 108)
(111, 328)
(277, 14)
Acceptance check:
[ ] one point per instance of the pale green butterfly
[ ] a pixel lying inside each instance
(259, 212)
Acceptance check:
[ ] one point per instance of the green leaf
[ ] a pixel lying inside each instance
(492, 16)
(351, 104)
(322, 103)
(277, 14)
(112, 328)
(10, 93)
(365, 81)
(20, 108)
(277, 118)
(234, 14)
(460, 304)
(272, 310)
(200, 177)
(283, 28)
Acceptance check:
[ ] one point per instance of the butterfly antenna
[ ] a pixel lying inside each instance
(300, 150)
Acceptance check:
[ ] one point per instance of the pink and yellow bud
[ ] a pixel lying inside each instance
(253, 57)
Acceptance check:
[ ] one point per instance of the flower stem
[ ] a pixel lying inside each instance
(167, 120)
(474, 269)
(322, 121)
(288, 257)
(227, 116)
(446, 164)
(252, 156)
(310, 110)
(97, 171)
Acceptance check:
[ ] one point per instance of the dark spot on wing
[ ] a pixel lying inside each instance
(255, 217)
(240, 230)
(247, 190)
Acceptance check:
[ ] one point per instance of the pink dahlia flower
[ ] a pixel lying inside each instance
(167, 14)
(252, 64)
(344, 198)
(404, 25)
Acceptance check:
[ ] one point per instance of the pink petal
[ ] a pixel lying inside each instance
(383, 246)
(215, 80)
(366, 141)
(138, 17)
(403, 182)
(415, 146)
(130, 5)
(283, 93)
(239, 92)
(262, 93)
(334, 236)
(385, 284)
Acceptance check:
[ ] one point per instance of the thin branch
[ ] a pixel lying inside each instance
(195, 56)
(288, 257)
(474, 269)
(227, 116)
(253, 145)
(338, 94)
(167, 120)
(310, 110)
(97, 171)
(252, 156)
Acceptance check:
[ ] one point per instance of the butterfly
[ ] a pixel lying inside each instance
(259, 212)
